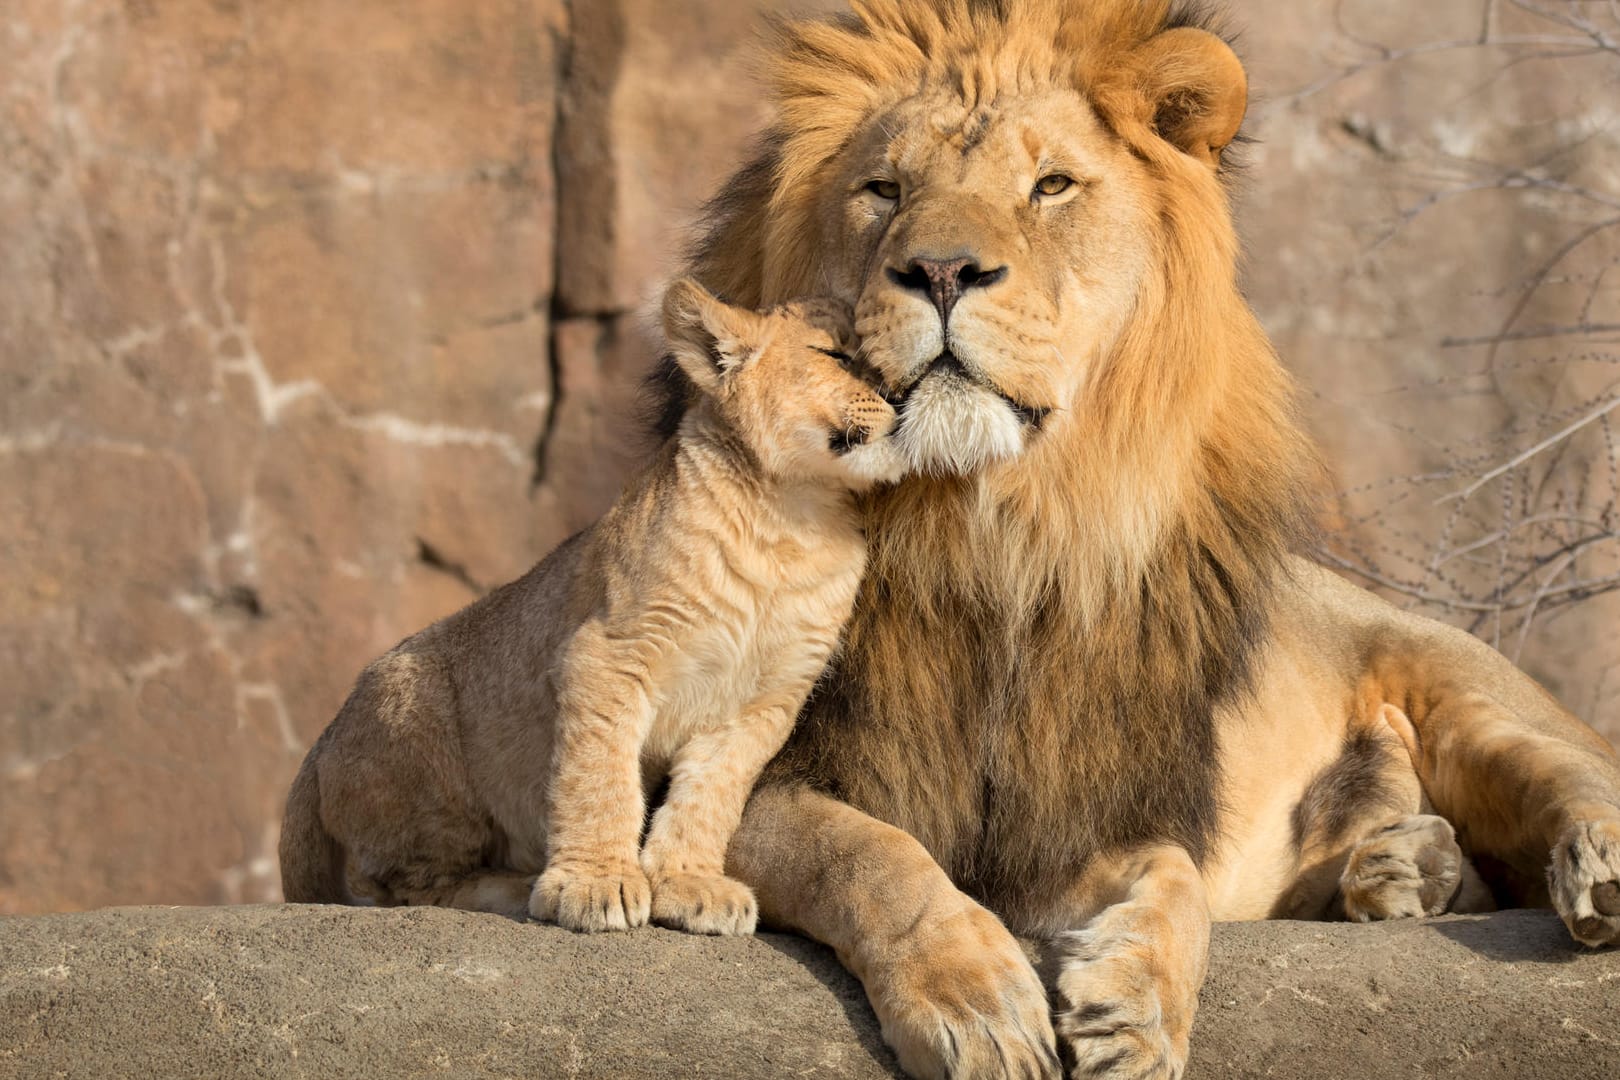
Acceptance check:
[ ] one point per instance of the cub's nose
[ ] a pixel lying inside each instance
(945, 280)
(882, 419)
(864, 421)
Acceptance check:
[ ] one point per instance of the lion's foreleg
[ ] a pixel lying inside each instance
(1129, 978)
(1534, 788)
(952, 989)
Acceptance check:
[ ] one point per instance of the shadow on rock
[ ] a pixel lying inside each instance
(819, 961)
(1537, 937)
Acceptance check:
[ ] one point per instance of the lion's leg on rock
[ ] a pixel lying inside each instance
(685, 853)
(952, 989)
(1128, 980)
(593, 879)
(1533, 787)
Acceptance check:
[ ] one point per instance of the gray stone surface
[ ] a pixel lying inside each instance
(331, 992)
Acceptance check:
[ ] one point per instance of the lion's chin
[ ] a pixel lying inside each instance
(950, 426)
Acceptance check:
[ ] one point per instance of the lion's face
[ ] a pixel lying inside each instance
(995, 254)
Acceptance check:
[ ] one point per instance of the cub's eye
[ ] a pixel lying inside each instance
(1053, 184)
(887, 190)
(844, 360)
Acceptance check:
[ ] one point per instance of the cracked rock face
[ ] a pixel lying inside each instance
(318, 320)
(301, 349)
(275, 318)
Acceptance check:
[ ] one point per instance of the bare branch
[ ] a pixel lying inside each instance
(1552, 440)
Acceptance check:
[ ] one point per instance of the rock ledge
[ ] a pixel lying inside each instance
(319, 992)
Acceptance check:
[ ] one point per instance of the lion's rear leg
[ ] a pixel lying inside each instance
(1526, 784)
(1408, 868)
(1368, 846)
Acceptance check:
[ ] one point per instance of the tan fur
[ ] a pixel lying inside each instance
(1086, 685)
(678, 636)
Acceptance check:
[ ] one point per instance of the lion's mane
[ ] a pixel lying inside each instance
(1033, 668)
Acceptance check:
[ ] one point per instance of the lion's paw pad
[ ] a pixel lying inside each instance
(1111, 1016)
(1584, 881)
(592, 899)
(704, 904)
(1407, 869)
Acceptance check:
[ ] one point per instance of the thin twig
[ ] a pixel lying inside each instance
(1519, 459)
(1535, 601)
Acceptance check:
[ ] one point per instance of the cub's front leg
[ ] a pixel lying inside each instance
(593, 878)
(1129, 978)
(684, 857)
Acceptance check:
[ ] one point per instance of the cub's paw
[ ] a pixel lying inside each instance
(1115, 1017)
(1410, 868)
(592, 898)
(704, 904)
(956, 997)
(1584, 881)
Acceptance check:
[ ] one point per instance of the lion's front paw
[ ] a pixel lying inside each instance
(592, 898)
(1584, 880)
(959, 999)
(704, 904)
(1116, 1017)
(1410, 868)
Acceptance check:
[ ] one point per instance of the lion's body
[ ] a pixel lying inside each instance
(678, 636)
(1088, 685)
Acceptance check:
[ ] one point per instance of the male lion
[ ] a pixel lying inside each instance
(1088, 687)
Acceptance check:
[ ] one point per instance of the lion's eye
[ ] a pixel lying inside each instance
(1054, 184)
(884, 189)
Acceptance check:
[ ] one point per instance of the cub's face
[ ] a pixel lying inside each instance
(995, 252)
(786, 382)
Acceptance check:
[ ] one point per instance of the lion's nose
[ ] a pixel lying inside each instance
(945, 280)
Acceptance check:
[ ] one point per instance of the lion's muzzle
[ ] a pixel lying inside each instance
(953, 419)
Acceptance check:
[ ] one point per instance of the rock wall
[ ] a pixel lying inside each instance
(317, 319)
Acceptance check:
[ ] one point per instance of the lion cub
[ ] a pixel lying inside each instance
(677, 636)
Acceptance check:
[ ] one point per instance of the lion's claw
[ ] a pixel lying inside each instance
(1408, 869)
(1113, 1017)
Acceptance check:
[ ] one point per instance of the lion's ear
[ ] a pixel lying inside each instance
(708, 337)
(1197, 90)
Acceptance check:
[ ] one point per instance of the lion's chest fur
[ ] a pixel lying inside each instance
(1018, 746)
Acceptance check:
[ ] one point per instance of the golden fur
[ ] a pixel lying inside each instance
(1086, 685)
(678, 636)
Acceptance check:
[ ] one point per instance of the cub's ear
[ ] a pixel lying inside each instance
(1196, 89)
(708, 337)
